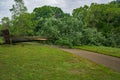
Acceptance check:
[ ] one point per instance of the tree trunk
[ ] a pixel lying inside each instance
(6, 35)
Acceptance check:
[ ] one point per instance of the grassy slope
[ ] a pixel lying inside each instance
(30, 62)
(103, 50)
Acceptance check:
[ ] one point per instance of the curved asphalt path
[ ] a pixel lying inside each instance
(109, 61)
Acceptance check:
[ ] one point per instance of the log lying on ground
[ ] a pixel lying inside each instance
(27, 39)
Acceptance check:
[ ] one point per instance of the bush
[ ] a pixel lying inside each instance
(64, 42)
(112, 39)
(76, 39)
(92, 37)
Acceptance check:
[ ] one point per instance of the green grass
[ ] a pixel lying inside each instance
(35, 62)
(103, 50)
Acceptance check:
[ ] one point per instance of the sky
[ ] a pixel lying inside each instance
(66, 5)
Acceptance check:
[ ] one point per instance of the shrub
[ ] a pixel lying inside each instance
(92, 37)
(64, 42)
(76, 39)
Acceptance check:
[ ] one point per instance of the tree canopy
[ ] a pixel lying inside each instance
(97, 24)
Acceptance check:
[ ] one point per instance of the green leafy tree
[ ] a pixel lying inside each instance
(5, 23)
(47, 12)
(23, 26)
(46, 18)
(81, 13)
(70, 29)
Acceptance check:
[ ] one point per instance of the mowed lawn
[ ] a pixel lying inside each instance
(35, 62)
(103, 50)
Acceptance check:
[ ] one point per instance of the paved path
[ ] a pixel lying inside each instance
(109, 61)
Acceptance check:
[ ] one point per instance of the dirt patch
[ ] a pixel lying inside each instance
(74, 71)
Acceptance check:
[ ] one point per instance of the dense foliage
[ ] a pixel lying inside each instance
(105, 18)
(97, 24)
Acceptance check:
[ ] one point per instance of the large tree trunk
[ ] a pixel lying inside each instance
(6, 35)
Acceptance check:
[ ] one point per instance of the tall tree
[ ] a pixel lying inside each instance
(18, 8)
(47, 12)
(22, 24)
